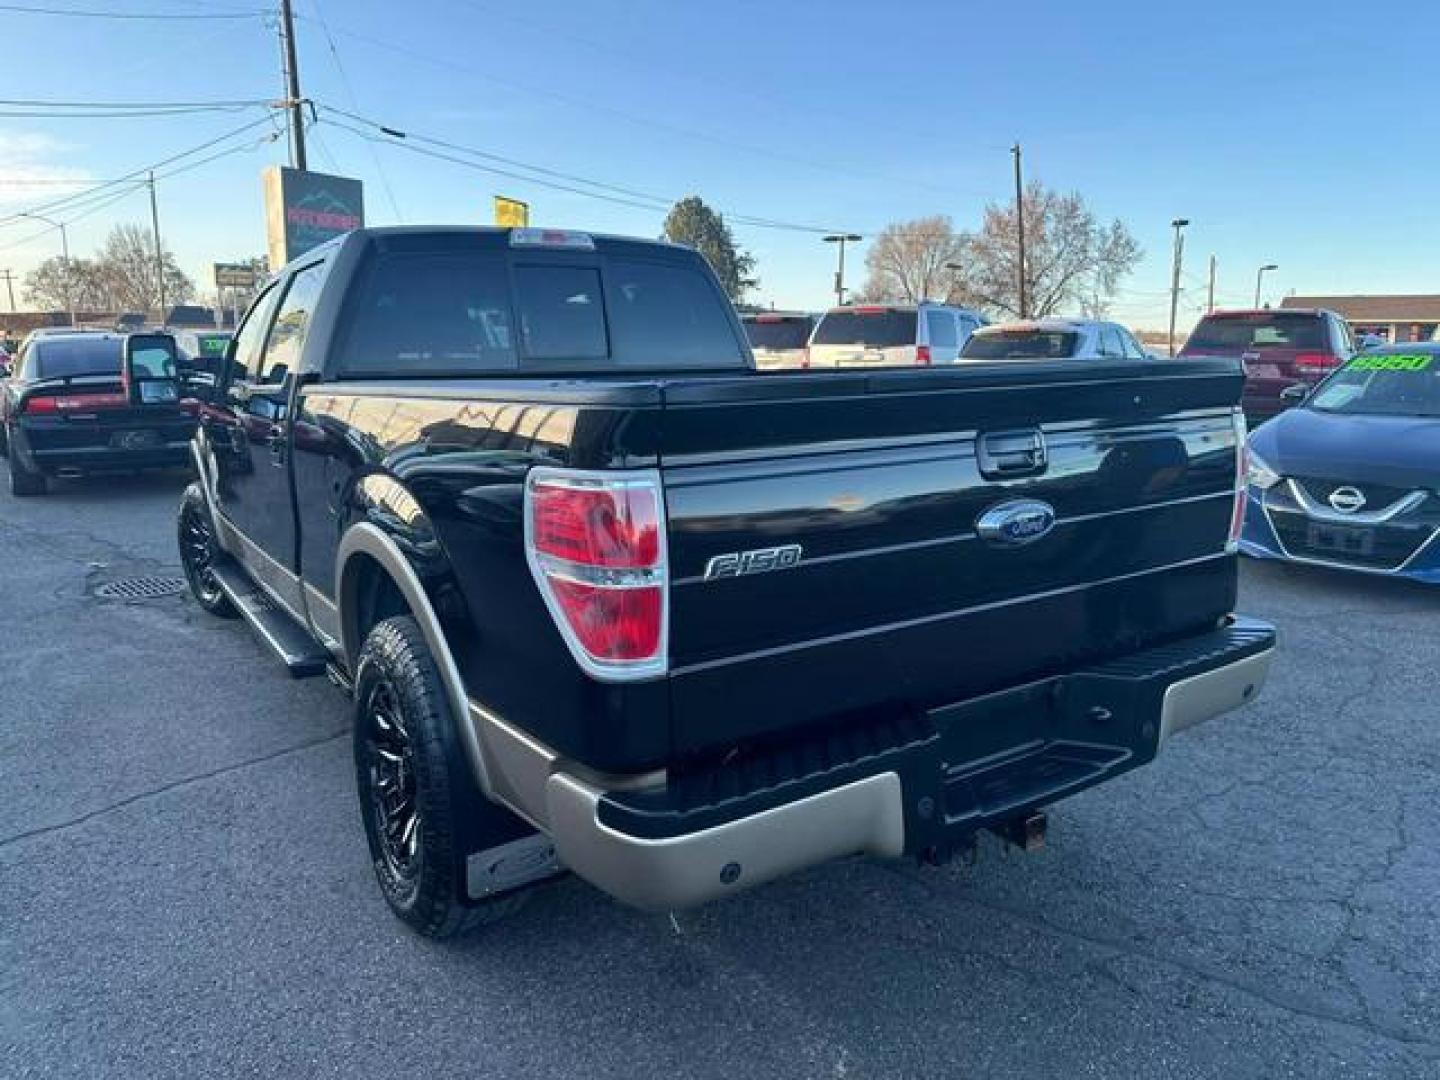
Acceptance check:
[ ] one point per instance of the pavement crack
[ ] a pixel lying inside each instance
(163, 789)
(1365, 1023)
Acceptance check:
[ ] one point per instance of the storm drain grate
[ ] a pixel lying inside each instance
(141, 588)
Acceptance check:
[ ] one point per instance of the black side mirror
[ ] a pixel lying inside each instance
(152, 368)
(1295, 393)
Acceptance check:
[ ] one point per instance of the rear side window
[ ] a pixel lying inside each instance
(1227, 335)
(246, 360)
(287, 336)
(940, 325)
(430, 314)
(668, 315)
(561, 312)
(64, 356)
(879, 328)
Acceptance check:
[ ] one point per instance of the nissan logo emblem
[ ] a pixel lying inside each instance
(1347, 499)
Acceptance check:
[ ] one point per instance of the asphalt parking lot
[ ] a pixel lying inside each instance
(184, 888)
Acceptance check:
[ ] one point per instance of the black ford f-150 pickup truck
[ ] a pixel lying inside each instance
(609, 600)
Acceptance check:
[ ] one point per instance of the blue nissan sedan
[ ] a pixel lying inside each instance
(1351, 478)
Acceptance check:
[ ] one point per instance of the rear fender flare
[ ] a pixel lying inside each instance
(366, 538)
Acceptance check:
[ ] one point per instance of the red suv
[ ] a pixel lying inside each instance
(1280, 347)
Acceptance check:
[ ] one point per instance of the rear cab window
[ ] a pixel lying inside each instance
(877, 327)
(1231, 335)
(469, 304)
(68, 357)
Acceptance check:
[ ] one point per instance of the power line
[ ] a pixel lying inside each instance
(636, 118)
(544, 177)
(42, 103)
(98, 204)
(355, 104)
(80, 196)
(78, 13)
(116, 114)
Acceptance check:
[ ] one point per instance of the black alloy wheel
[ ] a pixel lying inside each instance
(389, 757)
(198, 552)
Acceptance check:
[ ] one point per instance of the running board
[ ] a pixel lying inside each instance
(301, 654)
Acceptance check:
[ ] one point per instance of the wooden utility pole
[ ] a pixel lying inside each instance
(159, 251)
(1210, 299)
(9, 276)
(1020, 231)
(294, 103)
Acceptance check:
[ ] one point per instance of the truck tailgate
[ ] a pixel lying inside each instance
(895, 603)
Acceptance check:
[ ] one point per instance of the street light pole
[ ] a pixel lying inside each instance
(1020, 232)
(64, 258)
(1178, 225)
(842, 239)
(1259, 274)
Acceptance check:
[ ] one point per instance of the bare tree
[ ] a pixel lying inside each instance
(126, 266)
(910, 261)
(1070, 258)
(60, 284)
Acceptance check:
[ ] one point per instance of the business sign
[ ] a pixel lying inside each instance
(235, 276)
(511, 213)
(305, 209)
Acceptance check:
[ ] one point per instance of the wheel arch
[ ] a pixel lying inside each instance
(372, 577)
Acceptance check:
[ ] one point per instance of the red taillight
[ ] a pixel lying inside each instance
(596, 546)
(1242, 472)
(610, 527)
(75, 403)
(805, 357)
(612, 624)
(1316, 361)
(922, 354)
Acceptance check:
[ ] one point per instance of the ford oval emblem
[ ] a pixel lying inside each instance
(1019, 521)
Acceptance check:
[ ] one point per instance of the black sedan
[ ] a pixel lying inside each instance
(1351, 478)
(93, 402)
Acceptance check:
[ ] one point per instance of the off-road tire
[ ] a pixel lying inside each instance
(195, 534)
(427, 892)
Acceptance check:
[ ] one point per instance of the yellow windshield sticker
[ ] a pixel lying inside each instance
(1417, 362)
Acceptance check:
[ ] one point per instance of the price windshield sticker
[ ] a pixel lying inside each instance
(1416, 362)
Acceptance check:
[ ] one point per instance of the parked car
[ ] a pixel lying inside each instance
(1351, 477)
(889, 334)
(1278, 347)
(1054, 339)
(778, 338)
(92, 402)
(687, 631)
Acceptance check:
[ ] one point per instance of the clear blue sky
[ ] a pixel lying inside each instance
(1292, 132)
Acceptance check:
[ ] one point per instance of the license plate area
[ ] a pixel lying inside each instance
(135, 440)
(1340, 539)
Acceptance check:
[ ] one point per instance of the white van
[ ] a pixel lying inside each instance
(892, 335)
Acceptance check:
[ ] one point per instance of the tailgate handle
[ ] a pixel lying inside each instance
(1013, 453)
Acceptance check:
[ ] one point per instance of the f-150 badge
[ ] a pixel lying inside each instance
(758, 561)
